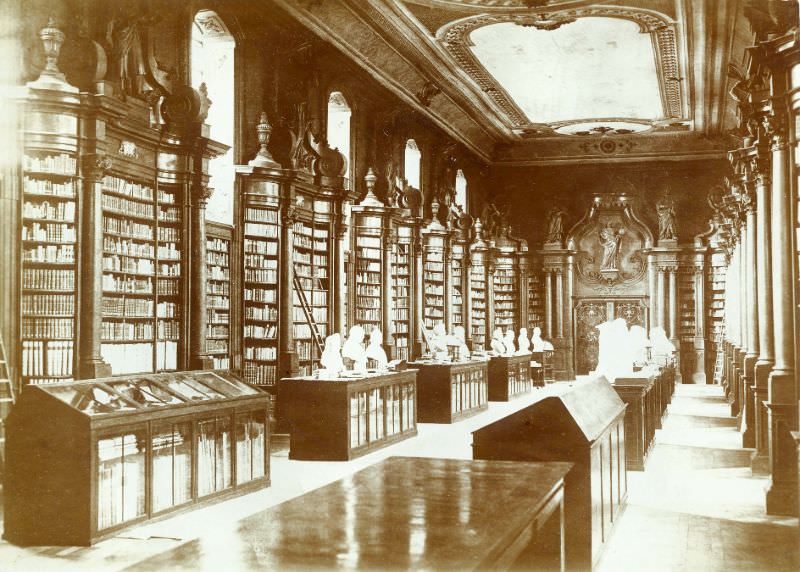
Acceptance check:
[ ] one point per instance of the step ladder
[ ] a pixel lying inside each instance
(301, 295)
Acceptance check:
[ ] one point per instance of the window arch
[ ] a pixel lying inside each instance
(461, 190)
(339, 117)
(412, 164)
(212, 53)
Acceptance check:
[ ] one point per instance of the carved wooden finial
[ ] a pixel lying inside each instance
(51, 77)
(263, 158)
(370, 199)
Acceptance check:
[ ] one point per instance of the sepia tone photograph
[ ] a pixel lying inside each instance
(400, 285)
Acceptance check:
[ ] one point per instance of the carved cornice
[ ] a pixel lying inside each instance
(454, 38)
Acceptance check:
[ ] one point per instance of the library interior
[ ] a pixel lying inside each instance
(400, 284)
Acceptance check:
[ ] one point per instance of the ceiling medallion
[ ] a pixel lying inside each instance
(545, 22)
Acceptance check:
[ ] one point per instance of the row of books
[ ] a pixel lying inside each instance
(47, 358)
(122, 206)
(48, 279)
(64, 254)
(260, 275)
(36, 186)
(261, 230)
(62, 164)
(49, 232)
(261, 313)
(269, 248)
(52, 304)
(48, 328)
(260, 261)
(127, 247)
(127, 307)
(127, 188)
(123, 331)
(58, 211)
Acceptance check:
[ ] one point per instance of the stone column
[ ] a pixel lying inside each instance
(652, 290)
(782, 492)
(569, 342)
(287, 359)
(198, 356)
(766, 342)
(699, 374)
(560, 307)
(660, 288)
(548, 304)
(90, 363)
(751, 317)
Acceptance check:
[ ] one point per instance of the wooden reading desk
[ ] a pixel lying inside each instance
(406, 513)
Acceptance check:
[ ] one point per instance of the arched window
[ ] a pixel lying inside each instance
(212, 52)
(461, 190)
(339, 115)
(412, 165)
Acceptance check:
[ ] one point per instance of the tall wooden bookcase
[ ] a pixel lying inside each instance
(289, 253)
(219, 298)
(113, 252)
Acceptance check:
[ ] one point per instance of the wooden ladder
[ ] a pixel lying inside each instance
(6, 400)
(307, 311)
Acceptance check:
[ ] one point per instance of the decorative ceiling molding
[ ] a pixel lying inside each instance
(455, 39)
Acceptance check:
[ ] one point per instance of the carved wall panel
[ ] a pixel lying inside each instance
(588, 315)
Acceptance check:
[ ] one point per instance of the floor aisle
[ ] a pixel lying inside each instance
(697, 506)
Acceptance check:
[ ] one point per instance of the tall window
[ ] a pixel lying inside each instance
(339, 114)
(461, 190)
(212, 64)
(413, 164)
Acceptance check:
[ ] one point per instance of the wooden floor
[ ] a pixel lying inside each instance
(696, 507)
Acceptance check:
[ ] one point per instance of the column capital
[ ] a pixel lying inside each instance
(290, 214)
(200, 194)
(95, 165)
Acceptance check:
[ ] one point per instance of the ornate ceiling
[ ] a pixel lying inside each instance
(537, 81)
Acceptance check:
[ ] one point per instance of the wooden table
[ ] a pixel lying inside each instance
(341, 419)
(450, 392)
(509, 376)
(404, 514)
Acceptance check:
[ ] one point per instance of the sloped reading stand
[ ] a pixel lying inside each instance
(86, 459)
(585, 426)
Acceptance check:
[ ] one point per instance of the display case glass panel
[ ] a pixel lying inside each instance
(121, 478)
(172, 465)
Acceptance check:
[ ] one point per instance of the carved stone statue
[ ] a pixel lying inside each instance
(375, 350)
(354, 349)
(610, 241)
(666, 219)
(331, 359)
(555, 226)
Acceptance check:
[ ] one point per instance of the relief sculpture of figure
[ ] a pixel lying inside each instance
(666, 219)
(610, 241)
(555, 225)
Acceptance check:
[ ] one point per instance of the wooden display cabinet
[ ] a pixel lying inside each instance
(341, 419)
(86, 459)
(585, 426)
(639, 394)
(509, 377)
(450, 392)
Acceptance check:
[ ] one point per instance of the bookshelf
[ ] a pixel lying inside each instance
(535, 301)
(715, 299)
(311, 259)
(367, 267)
(506, 293)
(433, 278)
(49, 266)
(402, 260)
(686, 330)
(169, 294)
(218, 294)
(260, 233)
(477, 282)
(457, 275)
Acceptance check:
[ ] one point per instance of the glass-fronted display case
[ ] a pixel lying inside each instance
(85, 459)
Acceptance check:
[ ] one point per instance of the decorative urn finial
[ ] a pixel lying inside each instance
(370, 199)
(263, 158)
(51, 77)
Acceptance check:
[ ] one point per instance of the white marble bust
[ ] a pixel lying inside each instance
(461, 336)
(523, 343)
(508, 342)
(354, 349)
(498, 346)
(331, 359)
(536, 340)
(375, 350)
